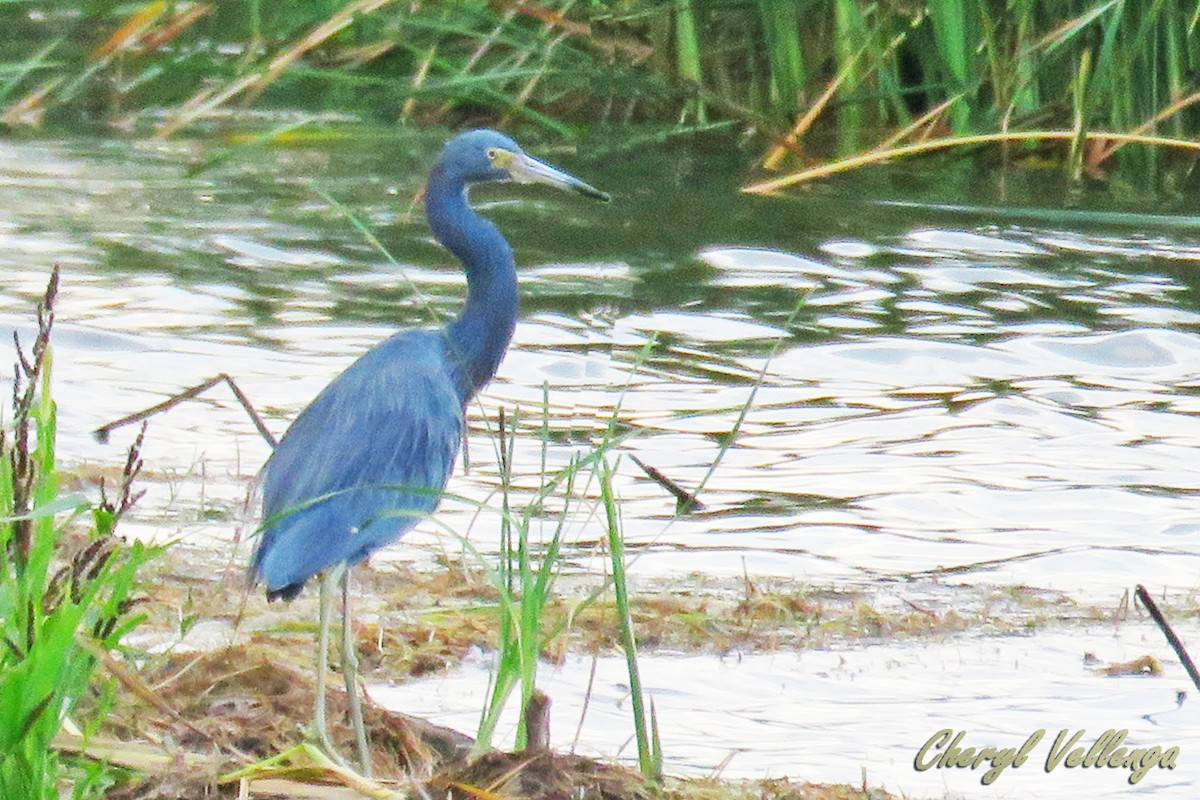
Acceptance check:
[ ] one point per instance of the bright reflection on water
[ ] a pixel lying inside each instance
(944, 386)
(828, 715)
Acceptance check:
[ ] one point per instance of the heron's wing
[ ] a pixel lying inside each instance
(362, 463)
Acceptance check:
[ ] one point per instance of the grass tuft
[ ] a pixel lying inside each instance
(62, 595)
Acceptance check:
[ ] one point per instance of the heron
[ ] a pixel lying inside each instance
(370, 456)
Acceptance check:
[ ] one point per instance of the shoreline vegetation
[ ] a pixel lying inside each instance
(233, 694)
(1102, 89)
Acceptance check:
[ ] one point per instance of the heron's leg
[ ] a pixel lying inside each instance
(350, 674)
(328, 580)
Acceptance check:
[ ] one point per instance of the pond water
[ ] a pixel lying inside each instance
(837, 715)
(960, 382)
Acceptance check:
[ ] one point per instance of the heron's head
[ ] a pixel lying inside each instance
(482, 156)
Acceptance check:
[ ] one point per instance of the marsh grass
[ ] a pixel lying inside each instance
(532, 529)
(63, 597)
(524, 580)
(645, 723)
(956, 70)
(527, 570)
(865, 76)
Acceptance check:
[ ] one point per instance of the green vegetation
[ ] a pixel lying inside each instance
(967, 73)
(525, 576)
(831, 77)
(65, 596)
(650, 757)
(524, 583)
(529, 623)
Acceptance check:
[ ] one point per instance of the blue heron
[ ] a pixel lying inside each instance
(370, 456)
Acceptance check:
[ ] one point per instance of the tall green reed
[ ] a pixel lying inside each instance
(1064, 71)
(780, 21)
(524, 634)
(60, 598)
(645, 724)
(852, 36)
(527, 570)
(687, 52)
(956, 41)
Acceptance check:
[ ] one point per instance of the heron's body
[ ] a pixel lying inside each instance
(370, 456)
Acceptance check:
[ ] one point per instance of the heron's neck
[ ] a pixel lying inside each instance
(479, 337)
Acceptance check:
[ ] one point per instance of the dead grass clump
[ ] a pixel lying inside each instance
(539, 775)
(769, 789)
(250, 701)
(431, 642)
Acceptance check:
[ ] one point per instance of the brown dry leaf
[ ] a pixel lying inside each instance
(1146, 665)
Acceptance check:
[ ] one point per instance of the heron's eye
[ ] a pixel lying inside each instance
(492, 153)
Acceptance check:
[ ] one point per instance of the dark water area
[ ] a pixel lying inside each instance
(969, 378)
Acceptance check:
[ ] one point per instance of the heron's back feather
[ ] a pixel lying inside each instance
(366, 460)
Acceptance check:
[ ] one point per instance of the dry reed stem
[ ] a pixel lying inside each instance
(926, 121)
(877, 156)
(1169, 111)
(254, 83)
(790, 143)
(129, 32)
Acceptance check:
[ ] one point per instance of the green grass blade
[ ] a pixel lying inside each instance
(616, 549)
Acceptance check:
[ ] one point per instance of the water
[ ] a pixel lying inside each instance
(830, 715)
(952, 380)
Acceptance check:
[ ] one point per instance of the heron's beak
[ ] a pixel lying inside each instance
(525, 169)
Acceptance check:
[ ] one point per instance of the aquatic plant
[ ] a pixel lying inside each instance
(951, 74)
(864, 77)
(645, 725)
(65, 599)
(526, 574)
(524, 577)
